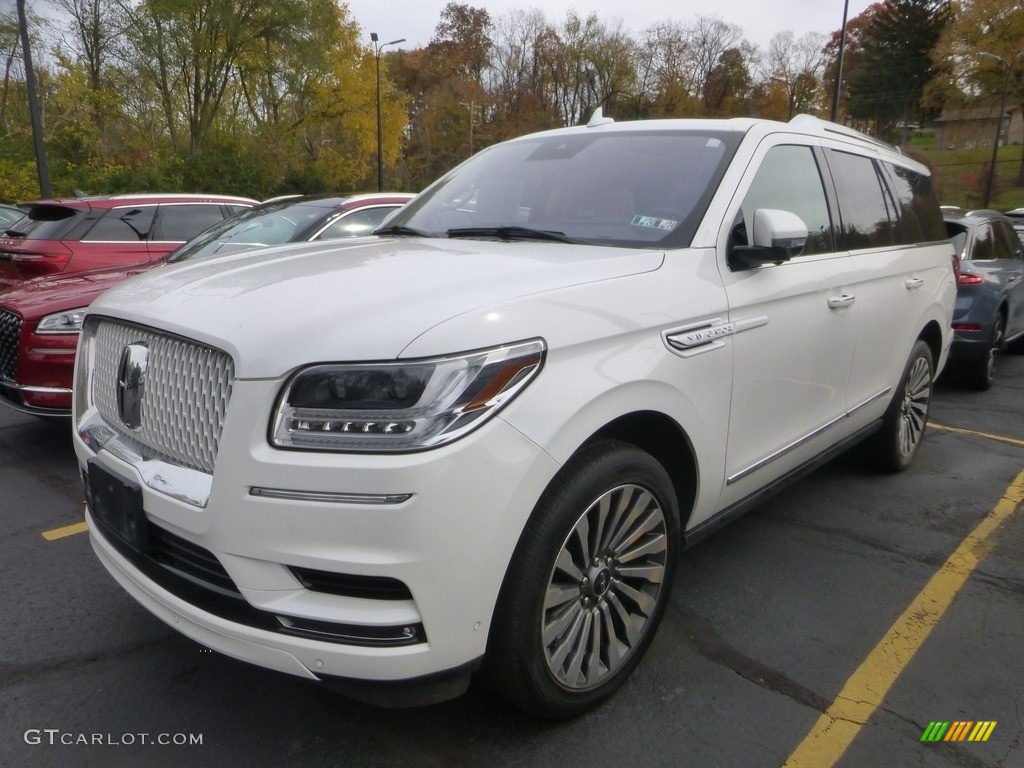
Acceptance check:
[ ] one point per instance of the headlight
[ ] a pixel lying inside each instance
(406, 406)
(62, 322)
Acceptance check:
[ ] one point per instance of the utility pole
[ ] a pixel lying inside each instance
(839, 65)
(33, 105)
(473, 108)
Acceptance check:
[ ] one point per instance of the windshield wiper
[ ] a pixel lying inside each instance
(398, 229)
(511, 233)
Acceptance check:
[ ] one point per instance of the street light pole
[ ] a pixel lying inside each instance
(999, 119)
(380, 152)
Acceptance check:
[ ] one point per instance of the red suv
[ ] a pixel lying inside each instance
(82, 234)
(40, 319)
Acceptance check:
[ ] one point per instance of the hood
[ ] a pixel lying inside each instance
(32, 299)
(366, 299)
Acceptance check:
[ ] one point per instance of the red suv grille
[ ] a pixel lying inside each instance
(10, 333)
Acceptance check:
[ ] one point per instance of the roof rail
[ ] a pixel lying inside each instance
(810, 121)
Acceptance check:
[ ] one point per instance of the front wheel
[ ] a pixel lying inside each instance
(895, 445)
(587, 585)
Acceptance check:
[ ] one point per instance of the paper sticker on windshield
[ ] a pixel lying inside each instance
(653, 222)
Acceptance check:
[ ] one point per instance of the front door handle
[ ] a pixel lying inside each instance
(838, 302)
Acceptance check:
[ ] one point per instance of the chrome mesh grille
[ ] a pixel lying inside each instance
(10, 335)
(187, 387)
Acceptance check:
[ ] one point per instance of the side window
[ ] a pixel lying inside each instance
(789, 180)
(862, 201)
(981, 247)
(920, 219)
(122, 225)
(1007, 245)
(356, 223)
(179, 223)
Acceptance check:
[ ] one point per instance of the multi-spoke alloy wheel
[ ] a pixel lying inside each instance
(983, 372)
(917, 396)
(604, 587)
(893, 447)
(587, 584)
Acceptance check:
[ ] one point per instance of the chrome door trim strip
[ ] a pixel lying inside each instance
(805, 439)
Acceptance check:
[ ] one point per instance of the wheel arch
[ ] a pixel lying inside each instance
(931, 335)
(660, 436)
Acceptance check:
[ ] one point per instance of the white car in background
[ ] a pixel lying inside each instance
(478, 442)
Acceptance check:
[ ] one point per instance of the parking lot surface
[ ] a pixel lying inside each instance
(836, 624)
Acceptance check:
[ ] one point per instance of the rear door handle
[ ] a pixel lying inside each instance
(838, 302)
(913, 283)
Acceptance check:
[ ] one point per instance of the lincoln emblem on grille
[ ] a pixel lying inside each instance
(131, 384)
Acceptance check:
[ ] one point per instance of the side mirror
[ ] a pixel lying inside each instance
(776, 236)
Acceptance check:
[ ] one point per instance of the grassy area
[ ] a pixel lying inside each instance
(959, 173)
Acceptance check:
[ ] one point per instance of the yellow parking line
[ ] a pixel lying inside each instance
(863, 693)
(986, 435)
(67, 530)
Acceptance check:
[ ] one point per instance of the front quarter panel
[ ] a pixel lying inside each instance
(606, 358)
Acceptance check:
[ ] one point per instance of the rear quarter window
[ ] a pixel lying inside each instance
(48, 222)
(920, 218)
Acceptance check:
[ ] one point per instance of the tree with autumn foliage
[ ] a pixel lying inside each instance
(981, 53)
(447, 102)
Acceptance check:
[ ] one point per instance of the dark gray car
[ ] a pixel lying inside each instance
(9, 214)
(989, 313)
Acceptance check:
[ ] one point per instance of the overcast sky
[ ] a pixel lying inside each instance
(415, 20)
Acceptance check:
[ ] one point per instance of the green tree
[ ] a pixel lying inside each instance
(895, 63)
(190, 49)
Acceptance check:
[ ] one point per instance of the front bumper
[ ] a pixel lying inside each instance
(48, 402)
(315, 575)
(39, 382)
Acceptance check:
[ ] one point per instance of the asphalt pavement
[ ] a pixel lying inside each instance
(840, 623)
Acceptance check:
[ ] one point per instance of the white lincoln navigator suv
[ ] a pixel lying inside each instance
(477, 442)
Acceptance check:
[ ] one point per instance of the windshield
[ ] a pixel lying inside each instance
(270, 224)
(635, 188)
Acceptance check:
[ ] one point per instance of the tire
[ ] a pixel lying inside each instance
(982, 373)
(588, 583)
(894, 446)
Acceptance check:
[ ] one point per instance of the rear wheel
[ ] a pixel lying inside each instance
(588, 583)
(895, 445)
(982, 373)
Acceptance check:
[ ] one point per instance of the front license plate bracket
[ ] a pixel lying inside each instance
(116, 504)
